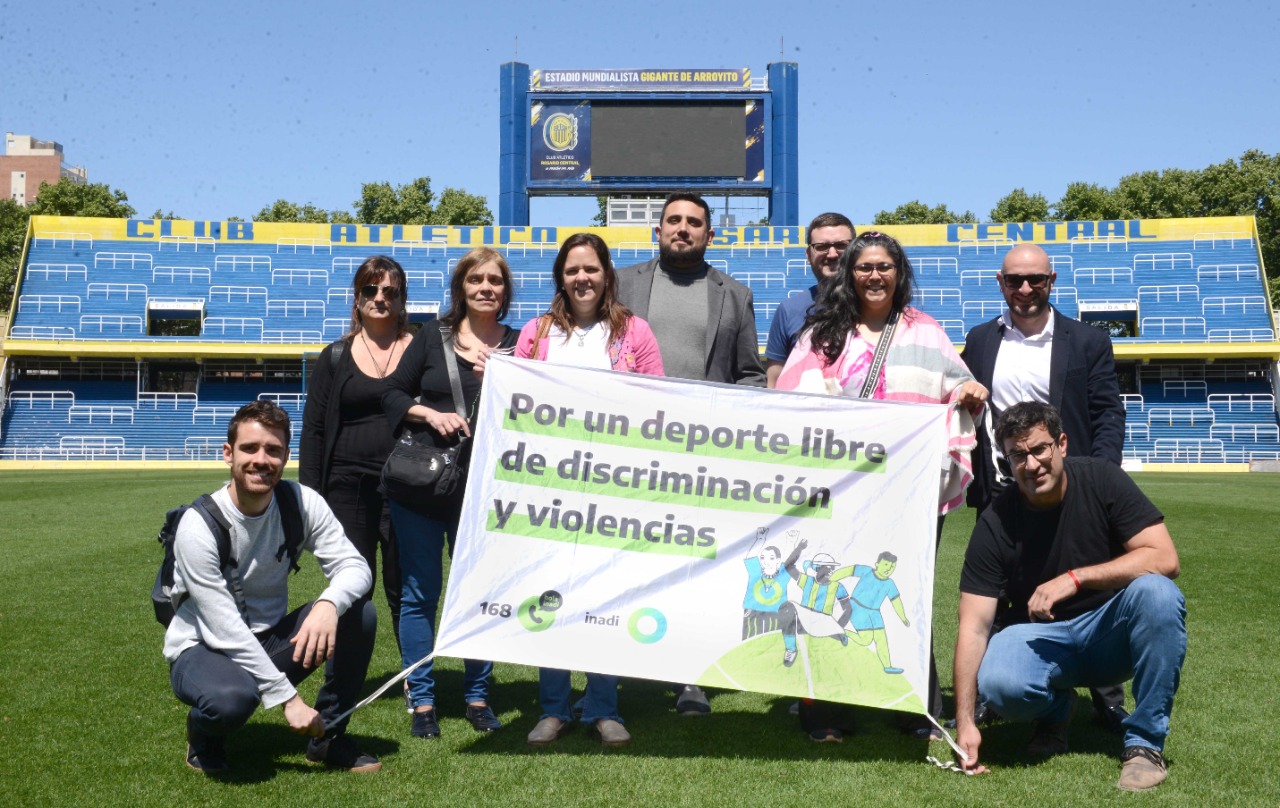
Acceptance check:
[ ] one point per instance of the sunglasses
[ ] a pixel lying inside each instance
(371, 291)
(1016, 281)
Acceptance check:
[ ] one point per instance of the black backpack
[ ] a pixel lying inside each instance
(291, 522)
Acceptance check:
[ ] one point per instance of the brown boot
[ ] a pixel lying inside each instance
(1142, 768)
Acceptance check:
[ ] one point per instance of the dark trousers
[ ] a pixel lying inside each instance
(223, 695)
(365, 518)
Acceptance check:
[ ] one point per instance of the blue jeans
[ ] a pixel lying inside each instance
(421, 544)
(600, 700)
(1140, 634)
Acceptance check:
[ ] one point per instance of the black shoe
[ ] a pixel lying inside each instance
(692, 701)
(424, 725)
(210, 760)
(340, 752)
(1049, 738)
(1112, 719)
(483, 719)
(829, 735)
(985, 714)
(205, 753)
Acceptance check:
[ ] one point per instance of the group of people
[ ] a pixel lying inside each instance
(1063, 585)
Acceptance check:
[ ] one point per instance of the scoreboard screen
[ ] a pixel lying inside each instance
(667, 139)
(649, 131)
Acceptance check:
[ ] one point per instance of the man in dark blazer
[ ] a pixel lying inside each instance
(704, 320)
(1032, 352)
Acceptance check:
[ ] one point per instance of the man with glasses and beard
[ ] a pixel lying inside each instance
(1032, 352)
(704, 322)
(828, 236)
(1077, 565)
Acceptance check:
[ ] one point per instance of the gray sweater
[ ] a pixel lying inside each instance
(208, 612)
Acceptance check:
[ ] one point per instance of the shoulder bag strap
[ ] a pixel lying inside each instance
(877, 361)
(451, 365)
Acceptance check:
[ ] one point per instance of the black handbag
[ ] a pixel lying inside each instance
(420, 475)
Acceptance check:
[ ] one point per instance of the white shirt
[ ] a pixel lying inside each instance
(1022, 366)
(592, 353)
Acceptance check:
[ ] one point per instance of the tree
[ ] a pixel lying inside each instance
(1248, 188)
(917, 212)
(63, 198)
(602, 211)
(160, 214)
(412, 203)
(66, 198)
(1168, 194)
(1086, 201)
(456, 206)
(1020, 206)
(380, 203)
(13, 229)
(285, 211)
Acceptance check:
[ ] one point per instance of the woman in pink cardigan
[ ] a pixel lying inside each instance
(586, 326)
(869, 298)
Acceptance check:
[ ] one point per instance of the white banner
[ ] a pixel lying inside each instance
(700, 533)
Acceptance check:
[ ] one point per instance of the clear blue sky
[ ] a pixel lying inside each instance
(217, 109)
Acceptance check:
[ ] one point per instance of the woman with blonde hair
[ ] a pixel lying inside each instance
(480, 295)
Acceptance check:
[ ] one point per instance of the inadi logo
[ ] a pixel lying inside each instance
(647, 625)
(597, 620)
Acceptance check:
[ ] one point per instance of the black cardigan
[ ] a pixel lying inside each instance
(422, 374)
(322, 414)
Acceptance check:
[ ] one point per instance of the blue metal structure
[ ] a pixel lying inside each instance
(776, 177)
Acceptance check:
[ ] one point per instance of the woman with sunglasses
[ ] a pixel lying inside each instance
(480, 295)
(866, 303)
(586, 326)
(345, 436)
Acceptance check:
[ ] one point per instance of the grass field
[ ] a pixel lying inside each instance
(87, 717)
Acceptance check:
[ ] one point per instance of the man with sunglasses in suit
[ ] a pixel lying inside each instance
(1033, 352)
(1077, 565)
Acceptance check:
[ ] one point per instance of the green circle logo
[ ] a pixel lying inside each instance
(538, 612)
(652, 635)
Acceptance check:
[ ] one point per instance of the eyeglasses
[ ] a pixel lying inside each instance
(1041, 452)
(371, 291)
(825, 246)
(1016, 281)
(867, 269)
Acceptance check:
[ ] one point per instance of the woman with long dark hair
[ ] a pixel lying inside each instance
(345, 437)
(867, 302)
(480, 295)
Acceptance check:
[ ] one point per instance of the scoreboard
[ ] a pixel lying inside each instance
(650, 131)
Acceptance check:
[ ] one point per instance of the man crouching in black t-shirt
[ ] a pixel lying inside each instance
(1076, 564)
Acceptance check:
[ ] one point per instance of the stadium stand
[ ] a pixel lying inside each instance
(136, 340)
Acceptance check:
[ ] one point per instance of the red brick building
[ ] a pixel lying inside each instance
(27, 162)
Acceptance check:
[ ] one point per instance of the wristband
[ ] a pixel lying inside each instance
(1074, 579)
